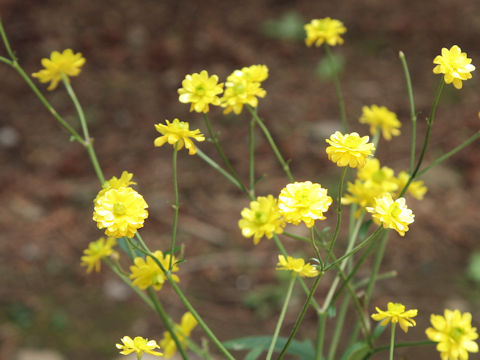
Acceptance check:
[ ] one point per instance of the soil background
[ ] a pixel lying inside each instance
(138, 53)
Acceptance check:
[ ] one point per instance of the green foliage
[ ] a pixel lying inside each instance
(473, 268)
(357, 351)
(326, 71)
(287, 27)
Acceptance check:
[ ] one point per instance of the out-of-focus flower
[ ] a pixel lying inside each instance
(349, 150)
(66, 63)
(139, 345)
(201, 90)
(416, 188)
(381, 117)
(116, 183)
(304, 201)
(296, 265)
(396, 314)
(146, 272)
(392, 214)
(262, 218)
(177, 133)
(455, 66)
(182, 332)
(454, 334)
(96, 251)
(324, 30)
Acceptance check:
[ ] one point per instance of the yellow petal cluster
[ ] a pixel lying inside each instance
(66, 63)
(244, 87)
(182, 330)
(381, 117)
(261, 218)
(296, 265)
(303, 201)
(125, 180)
(96, 251)
(349, 150)
(392, 214)
(454, 334)
(324, 30)
(139, 345)
(396, 314)
(146, 272)
(201, 90)
(455, 66)
(177, 133)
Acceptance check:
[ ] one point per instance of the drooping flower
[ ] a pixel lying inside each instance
(182, 332)
(96, 251)
(120, 211)
(416, 188)
(261, 218)
(139, 345)
(244, 87)
(324, 30)
(381, 117)
(396, 314)
(392, 214)
(201, 90)
(296, 265)
(304, 201)
(146, 272)
(66, 63)
(125, 180)
(454, 334)
(177, 133)
(455, 66)
(349, 150)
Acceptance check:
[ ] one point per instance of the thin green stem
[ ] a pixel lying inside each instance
(315, 247)
(413, 115)
(270, 140)
(6, 61)
(376, 267)
(400, 345)
(338, 90)
(322, 322)
(7, 43)
(281, 317)
(339, 213)
(297, 237)
(251, 146)
(392, 340)
(338, 328)
(176, 206)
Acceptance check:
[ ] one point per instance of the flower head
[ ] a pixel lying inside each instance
(243, 87)
(349, 150)
(396, 313)
(455, 66)
(96, 251)
(303, 201)
(262, 218)
(116, 183)
(392, 214)
(66, 63)
(146, 272)
(120, 211)
(324, 30)
(139, 345)
(296, 265)
(416, 188)
(201, 90)
(177, 133)
(182, 330)
(454, 334)
(381, 117)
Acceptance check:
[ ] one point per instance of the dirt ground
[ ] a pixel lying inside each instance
(137, 55)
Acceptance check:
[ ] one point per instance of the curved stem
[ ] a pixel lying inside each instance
(338, 90)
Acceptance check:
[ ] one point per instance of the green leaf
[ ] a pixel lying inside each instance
(122, 242)
(379, 329)
(255, 353)
(303, 349)
(473, 269)
(357, 351)
(325, 71)
(362, 234)
(287, 27)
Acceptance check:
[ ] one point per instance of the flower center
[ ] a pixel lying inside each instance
(456, 333)
(200, 90)
(352, 141)
(119, 209)
(261, 217)
(239, 88)
(395, 211)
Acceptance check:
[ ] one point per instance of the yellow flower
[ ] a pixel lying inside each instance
(201, 90)
(66, 63)
(454, 334)
(121, 211)
(380, 116)
(146, 272)
(397, 314)
(139, 345)
(416, 188)
(97, 250)
(177, 133)
(303, 201)
(296, 265)
(455, 66)
(262, 218)
(392, 214)
(349, 150)
(243, 87)
(115, 183)
(182, 331)
(324, 30)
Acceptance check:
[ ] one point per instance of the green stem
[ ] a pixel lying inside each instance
(175, 208)
(251, 146)
(87, 140)
(315, 247)
(400, 345)
(297, 237)
(7, 43)
(339, 213)
(413, 115)
(392, 341)
(322, 322)
(376, 267)
(338, 328)
(270, 140)
(281, 317)
(338, 89)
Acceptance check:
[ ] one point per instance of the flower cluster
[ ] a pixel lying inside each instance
(396, 314)
(325, 30)
(379, 117)
(182, 331)
(392, 214)
(138, 345)
(146, 272)
(455, 66)
(177, 133)
(349, 150)
(297, 265)
(96, 251)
